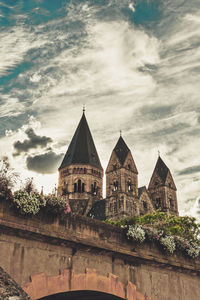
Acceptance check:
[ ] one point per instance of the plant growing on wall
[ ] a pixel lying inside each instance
(27, 203)
(170, 232)
(8, 179)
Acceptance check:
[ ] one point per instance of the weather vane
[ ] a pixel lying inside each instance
(120, 132)
(84, 108)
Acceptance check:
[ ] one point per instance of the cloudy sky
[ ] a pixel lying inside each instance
(134, 64)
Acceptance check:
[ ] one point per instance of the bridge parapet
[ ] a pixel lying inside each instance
(45, 244)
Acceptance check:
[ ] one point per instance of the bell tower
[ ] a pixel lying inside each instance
(80, 173)
(162, 189)
(121, 182)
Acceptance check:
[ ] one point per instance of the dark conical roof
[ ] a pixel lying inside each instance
(82, 149)
(161, 169)
(121, 150)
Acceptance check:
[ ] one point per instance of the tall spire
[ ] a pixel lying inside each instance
(82, 149)
(161, 169)
(121, 150)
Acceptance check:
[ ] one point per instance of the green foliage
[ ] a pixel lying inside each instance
(8, 179)
(171, 232)
(54, 204)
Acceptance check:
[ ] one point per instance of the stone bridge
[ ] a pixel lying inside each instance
(82, 258)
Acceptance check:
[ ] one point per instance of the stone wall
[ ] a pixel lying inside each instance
(29, 246)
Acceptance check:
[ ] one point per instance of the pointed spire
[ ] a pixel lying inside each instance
(82, 149)
(121, 150)
(161, 169)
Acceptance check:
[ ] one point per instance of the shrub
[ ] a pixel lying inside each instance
(168, 243)
(136, 233)
(27, 203)
(8, 179)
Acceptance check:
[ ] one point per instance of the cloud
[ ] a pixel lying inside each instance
(46, 163)
(190, 170)
(32, 142)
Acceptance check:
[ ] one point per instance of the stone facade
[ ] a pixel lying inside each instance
(81, 181)
(47, 256)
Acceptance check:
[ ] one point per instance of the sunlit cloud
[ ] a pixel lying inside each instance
(139, 77)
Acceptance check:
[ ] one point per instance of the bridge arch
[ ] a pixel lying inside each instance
(42, 286)
(83, 295)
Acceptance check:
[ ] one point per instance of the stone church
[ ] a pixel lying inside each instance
(81, 181)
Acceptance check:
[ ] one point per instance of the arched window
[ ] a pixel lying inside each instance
(94, 188)
(83, 187)
(158, 203)
(129, 185)
(171, 203)
(79, 186)
(115, 184)
(75, 187)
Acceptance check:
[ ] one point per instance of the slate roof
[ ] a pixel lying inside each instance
(98, 210)
(82, 149)
(121, 150)
(141, 190)
(161, 169)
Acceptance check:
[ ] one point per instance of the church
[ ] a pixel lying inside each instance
(81, 181)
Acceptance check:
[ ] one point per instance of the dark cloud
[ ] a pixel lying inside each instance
(190, 170)
(46, 163)
(157, 112)
(32, 142)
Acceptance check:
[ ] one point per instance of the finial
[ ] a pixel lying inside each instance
(83, 108)
(120, 132)
(158, 153)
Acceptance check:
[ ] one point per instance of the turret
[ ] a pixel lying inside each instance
(121, 181)
(162, 189)
(81, 173)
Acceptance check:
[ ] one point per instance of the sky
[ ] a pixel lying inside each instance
(134, 64)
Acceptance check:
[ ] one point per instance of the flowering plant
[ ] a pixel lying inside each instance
(168, 243)
(27, 203)
(173, 233)
(136, 233)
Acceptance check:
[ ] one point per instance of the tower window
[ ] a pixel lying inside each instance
(129, 185)
(94, 188)
(75, 187)
(115, 167)
(83, 187)
(169, 184)
(171, 203)
(129, 166)
(115, 183)
(156, 183)
(79, 186)
(158, 202)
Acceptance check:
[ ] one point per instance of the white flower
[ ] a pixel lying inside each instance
(168, 243)
(136, 232)
(193, 250)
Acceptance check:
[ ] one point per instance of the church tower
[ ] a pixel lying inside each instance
(121, 182)
(162, 189)
(80, 173)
